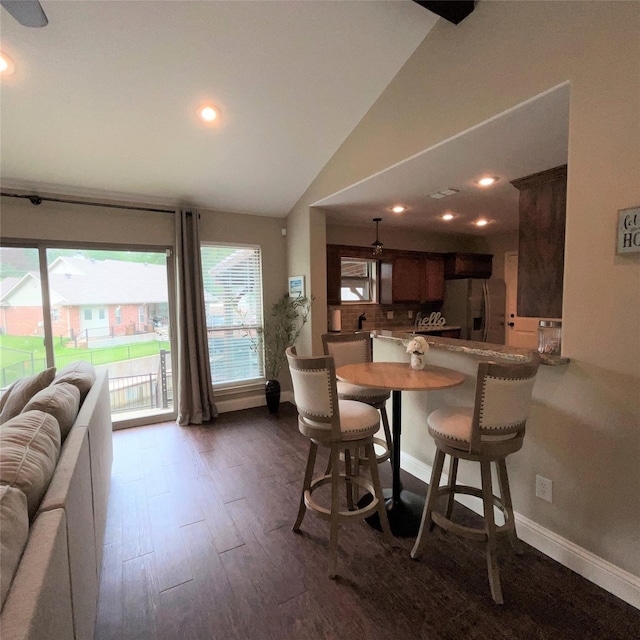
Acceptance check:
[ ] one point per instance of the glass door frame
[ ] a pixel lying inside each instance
(42, 246)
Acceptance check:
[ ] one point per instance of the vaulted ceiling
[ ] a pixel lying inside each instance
(104, 98)
(103, 102)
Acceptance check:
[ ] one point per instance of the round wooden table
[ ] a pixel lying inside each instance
(404, 508)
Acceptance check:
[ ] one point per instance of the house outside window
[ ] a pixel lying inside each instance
(88, 314)
(102, 314)
(141, 314)
(118, 314)
(232, 277)
(357, 280)
(55, 314)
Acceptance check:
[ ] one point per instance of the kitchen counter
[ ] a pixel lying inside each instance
(410, 328)
(469, 347)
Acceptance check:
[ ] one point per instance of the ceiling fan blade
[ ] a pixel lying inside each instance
(28, 13)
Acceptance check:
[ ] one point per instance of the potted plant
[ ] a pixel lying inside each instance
(280, 331)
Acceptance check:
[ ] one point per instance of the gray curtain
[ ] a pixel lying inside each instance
(195, 392)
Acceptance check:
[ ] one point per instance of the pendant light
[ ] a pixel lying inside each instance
(377, 245)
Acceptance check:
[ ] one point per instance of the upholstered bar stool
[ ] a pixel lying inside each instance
(485, 433)
(343, 426)
(353, 348)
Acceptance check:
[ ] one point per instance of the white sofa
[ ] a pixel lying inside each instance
(51, 544)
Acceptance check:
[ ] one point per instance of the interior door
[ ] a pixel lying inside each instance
(520, 331)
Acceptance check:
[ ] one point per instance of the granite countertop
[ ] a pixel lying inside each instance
(483, 349)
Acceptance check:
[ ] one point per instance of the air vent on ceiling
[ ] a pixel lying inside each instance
(442, 193)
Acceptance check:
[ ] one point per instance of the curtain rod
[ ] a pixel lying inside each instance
(36, 200)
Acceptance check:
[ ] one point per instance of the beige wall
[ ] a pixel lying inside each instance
(586, 435)
(406, 239)
(54, 221)
(498, 245)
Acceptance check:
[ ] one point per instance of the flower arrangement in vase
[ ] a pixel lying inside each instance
(417, 348)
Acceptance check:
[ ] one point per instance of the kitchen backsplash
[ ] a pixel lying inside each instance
(376, 315)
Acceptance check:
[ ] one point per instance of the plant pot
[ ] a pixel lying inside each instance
(272, 393)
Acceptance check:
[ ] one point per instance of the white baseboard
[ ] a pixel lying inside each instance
(249, 402)
(606, 575)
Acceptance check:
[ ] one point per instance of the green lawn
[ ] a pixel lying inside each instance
(20, 355)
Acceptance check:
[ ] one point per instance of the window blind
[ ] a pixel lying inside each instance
(232, 277)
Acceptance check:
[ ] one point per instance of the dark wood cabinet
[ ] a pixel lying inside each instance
(333, 274)
(412, 277)
(543, 198)
(434, 277)
(403, 276)
(408, 278)
(467, 265)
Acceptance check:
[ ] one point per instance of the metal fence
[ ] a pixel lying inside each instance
(127, 393)
(31, 365)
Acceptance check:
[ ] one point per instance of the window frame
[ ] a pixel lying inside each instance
(251, 381)
(370, 281)
(42, 246)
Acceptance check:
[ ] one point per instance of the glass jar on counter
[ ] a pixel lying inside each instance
(550, 337)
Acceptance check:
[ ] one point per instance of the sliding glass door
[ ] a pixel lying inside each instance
(22, 348)
(107, 306)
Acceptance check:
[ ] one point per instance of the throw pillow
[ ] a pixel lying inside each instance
(22, 391)
(29, 450)
(62, 401)
(80, 374)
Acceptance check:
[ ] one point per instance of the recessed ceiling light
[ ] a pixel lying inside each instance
(482, 222)
(6, 65)
(487, 181)
(207, 113)
(398, 208)
(447, 216)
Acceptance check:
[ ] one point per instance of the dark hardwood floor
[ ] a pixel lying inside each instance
(199, 546)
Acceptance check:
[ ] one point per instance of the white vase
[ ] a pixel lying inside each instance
(417, 361)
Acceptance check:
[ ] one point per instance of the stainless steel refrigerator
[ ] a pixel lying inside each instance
(478, 306)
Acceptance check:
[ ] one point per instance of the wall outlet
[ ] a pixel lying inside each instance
(389, 315)
(544, 488)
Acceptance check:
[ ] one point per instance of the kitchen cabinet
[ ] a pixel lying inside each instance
(434, 277)
(467, 265)
(408, 278)
(412, 277)
(333, 274)
(403, 276)
(542, 207)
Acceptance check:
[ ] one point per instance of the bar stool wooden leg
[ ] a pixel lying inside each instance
(453, 475)
(505, 493)
(426, 525)
(308, 476)
(335, 511)
(350, 486)
(387, 432)
(490, 527)
(375, 479)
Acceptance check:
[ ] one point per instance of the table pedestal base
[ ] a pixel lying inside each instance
(404, 515)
